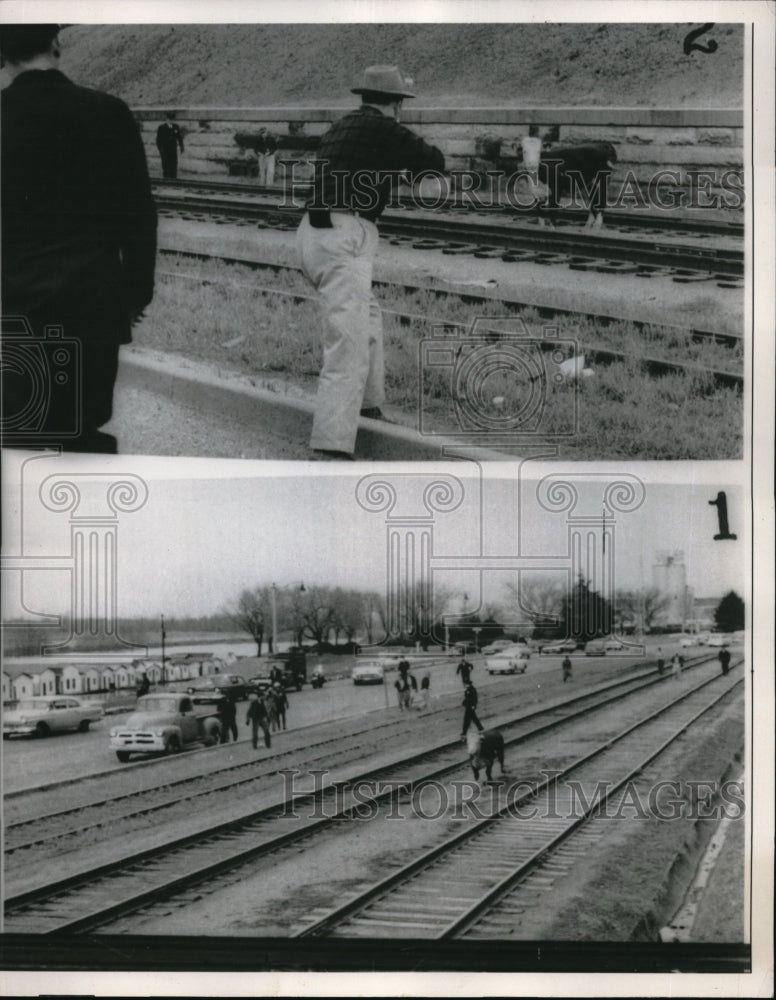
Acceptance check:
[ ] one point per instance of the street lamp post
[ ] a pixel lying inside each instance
(476, 639)
(274, 618)
(164, 671)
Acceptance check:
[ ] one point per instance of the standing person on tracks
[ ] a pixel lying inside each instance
(470, 699)
(169, 139)
(78, 246)
(359, 160)
(227, 711)
(256, 718)
(724, 659)
(281, 704)
(464, 668)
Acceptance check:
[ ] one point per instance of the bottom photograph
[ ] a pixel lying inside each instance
(261, 716)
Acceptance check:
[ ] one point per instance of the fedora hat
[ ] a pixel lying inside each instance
(386, 80)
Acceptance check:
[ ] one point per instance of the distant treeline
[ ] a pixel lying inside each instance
(21, 639)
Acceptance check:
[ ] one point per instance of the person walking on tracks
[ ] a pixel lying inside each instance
(676, 666)
(724, 659)
(464, 668)
(281, 704)
(78, 246)
(169, 139)
(566, 666)
(470, 700)
(227, 711)
(358, 161)
(258, 717)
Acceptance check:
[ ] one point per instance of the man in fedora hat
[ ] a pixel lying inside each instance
(359, 159)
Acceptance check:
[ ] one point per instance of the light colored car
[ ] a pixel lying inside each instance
(368, 672)
(596, 647)
(560, 647)
(513, 660)
(614, 646)
(496, 647)
(47, 714)
(718, 640)
(688, 640)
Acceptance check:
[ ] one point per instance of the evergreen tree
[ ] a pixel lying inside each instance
(729, 613)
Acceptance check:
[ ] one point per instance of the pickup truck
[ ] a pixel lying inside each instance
(165, 722)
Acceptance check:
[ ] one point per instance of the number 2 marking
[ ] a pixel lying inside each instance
(722, 516)
(690, 44)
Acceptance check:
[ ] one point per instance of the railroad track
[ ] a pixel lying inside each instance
(480, 883)
(621, 220)
(597, 353)
(120, 888)
(510, 240)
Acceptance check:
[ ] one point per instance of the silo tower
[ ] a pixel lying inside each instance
(669, 577)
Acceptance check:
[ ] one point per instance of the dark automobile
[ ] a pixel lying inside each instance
(231, 685)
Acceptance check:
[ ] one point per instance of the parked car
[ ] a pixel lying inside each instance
(567, 646)
(614, 646)
(513, 660)
(231, 685)
(596, 647)
(47, 714)
(368, 672)
(689, 640)
(497, 646)
(718, 640)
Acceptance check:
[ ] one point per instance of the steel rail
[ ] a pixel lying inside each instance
(489, 239)
(621, 218)
(47, 894)
(409, 872)
(470, 296)
(597, 353)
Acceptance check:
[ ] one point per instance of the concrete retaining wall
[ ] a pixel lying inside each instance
(647, 140)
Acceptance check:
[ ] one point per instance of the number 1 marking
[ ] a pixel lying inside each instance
(722, 516)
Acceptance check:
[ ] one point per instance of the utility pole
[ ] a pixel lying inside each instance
(164, 670)
(274, 618)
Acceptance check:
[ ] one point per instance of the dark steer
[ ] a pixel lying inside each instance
(484, 748)
(579, 170)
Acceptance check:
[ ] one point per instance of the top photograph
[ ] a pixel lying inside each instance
(376, 242)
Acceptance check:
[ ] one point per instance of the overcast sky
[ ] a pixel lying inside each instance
(209, 528)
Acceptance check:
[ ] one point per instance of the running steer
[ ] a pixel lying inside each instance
(484, 748)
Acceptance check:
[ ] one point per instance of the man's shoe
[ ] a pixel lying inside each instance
(324, 455)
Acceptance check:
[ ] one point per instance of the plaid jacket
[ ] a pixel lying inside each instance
(360, 158)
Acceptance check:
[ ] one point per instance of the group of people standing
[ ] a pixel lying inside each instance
(407, 686)
(266, 712)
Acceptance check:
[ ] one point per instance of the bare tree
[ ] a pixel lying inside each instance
(534, 599)
(641, 605)
(348, 608)
(251, 612)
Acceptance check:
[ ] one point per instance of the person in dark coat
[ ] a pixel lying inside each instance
(464, 668)
(566, 665)
(724, 659)
(281, 704)
(257, 717)
(227, 711)
(78, 246)
(169, 139)
(470, 700)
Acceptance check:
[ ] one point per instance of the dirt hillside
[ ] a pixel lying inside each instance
(452, 64)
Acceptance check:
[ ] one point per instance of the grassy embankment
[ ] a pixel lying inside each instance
(622, 412)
